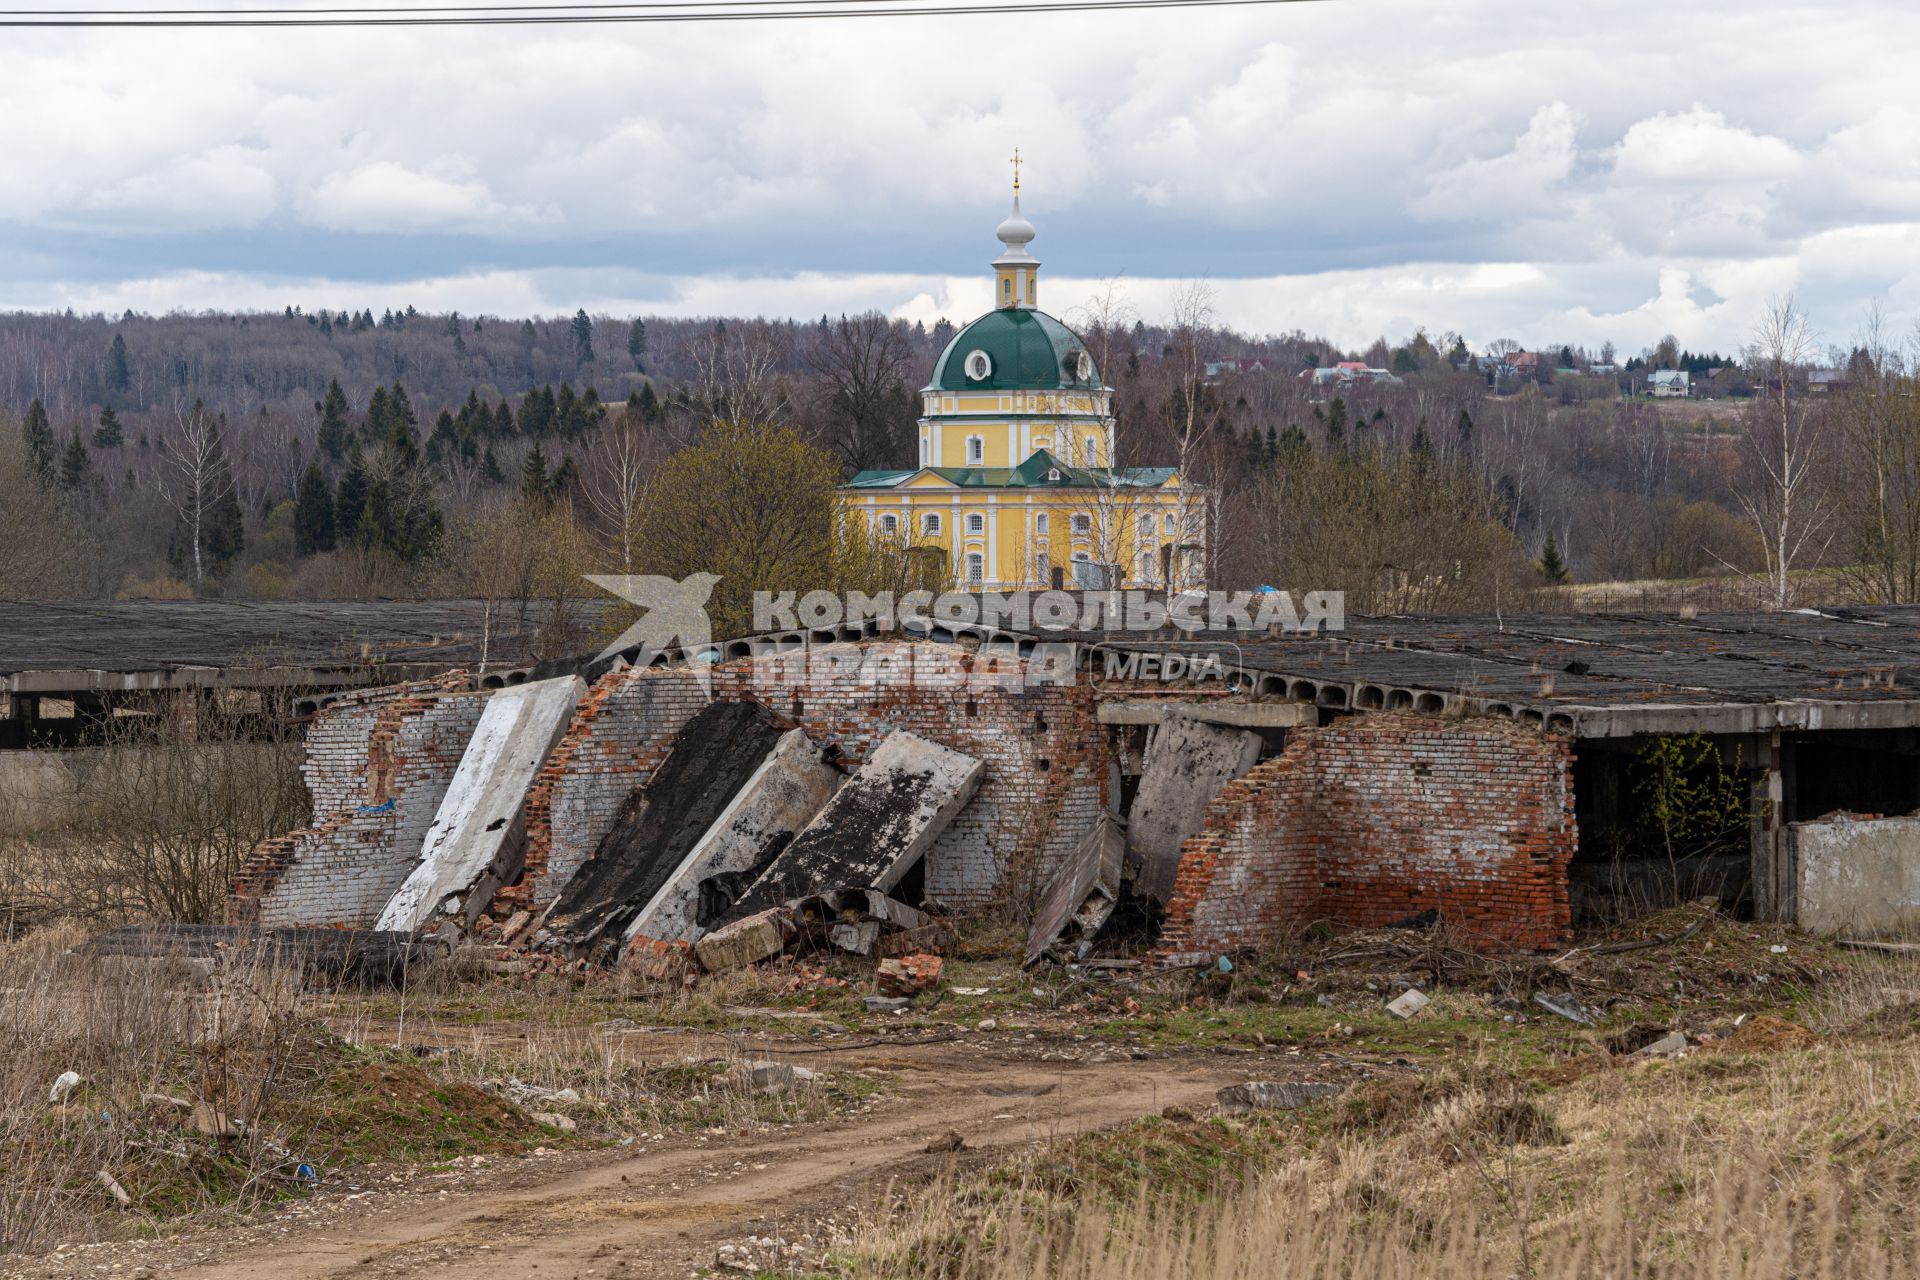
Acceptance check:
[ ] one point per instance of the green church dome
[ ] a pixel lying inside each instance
(1025, 350)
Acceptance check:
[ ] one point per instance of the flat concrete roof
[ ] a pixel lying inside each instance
(1596, 675)
(134, 645)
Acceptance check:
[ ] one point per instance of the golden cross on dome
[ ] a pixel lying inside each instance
(1016, 171)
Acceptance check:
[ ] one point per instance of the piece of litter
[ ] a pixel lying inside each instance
(970, 991)
(65, 1083)
(1410, 1002)
(1777, 949)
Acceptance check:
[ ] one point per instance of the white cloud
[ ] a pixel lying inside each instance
(1351, 169)
(386, 196)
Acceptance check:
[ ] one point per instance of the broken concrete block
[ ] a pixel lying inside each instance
(785, 792)
(885, 1004)
(856, 938)
(707, 763)
(1671, 1045)
(1410, 1002)
(909, 975)
(876, 827)
(1188, 763)
(1272, 1095)
(1083, 892)
(745, 942)
(1566, 1007)
(477, 839)
(772, 1077)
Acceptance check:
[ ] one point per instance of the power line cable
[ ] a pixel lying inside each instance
(566, 15)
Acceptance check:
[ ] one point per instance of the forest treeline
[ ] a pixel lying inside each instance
(327, 454)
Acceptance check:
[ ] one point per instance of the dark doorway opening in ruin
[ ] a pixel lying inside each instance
(1663, 819)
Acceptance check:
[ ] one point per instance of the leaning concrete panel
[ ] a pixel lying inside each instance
(785, 793)
(478, 834)
(1187, 765)
(709, 760)
(1084, 891)
(875, 828)
(1858, 876)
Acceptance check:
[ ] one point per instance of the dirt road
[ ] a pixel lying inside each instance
(663, 1209)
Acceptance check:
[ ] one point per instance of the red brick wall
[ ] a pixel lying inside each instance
(1377, 818)
(400, 744)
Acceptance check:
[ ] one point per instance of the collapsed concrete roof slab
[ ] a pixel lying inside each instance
(786, 792)
(1084, 891)
(123, 646)
(876, 826)
(1187, 764)
(1591, 675)
(709, 761)
(477, 837)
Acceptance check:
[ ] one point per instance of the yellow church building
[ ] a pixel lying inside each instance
(1016, 487)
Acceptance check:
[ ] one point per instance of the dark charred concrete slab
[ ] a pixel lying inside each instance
(876, 826)
(788, 790)
(1084, 891)
(713, 756)
(1188, 763)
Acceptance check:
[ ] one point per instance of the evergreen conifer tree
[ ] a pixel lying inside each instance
(76, 464)
(1552, 567)
(37, 432)
(313, 513)
(109, 434)
(119, 376)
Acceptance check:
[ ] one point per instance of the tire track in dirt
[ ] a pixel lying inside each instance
(664, 1211)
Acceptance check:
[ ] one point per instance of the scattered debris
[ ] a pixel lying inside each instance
(1083, 892)
(1272, 1095)
(1410, 1002)
(909, 975)
(63, 1084)
(1567, 1007)
(852, 920)
(554, 1120)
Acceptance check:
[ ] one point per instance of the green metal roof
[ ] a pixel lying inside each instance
(1028, 350)
(1034, 473)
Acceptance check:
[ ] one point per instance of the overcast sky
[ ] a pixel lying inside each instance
(1354, 168)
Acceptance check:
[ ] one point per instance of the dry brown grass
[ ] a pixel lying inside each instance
(1777, 1153)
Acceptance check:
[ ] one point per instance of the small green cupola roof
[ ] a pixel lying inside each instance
(1015, 349)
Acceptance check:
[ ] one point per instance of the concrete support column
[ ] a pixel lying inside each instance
(1770, 872)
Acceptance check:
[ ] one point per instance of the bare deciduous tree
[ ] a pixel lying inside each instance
(619, 470)
(195, 477)
(862, 366)
(1780, 444)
